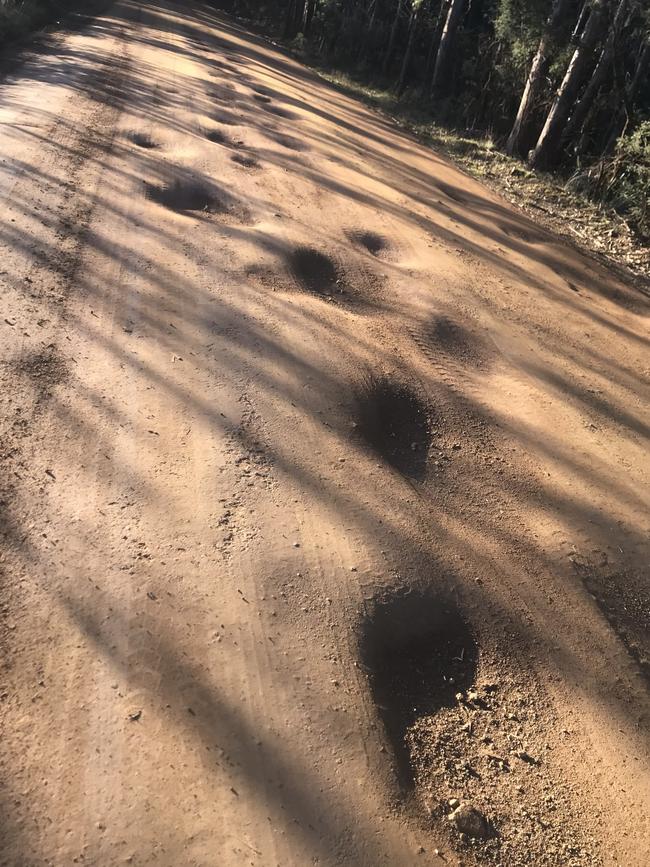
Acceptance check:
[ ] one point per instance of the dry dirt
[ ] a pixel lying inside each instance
(324, 482)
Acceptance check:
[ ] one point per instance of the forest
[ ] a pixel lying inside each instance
(562, 84)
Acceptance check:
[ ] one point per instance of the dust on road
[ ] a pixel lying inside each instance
(324, 481)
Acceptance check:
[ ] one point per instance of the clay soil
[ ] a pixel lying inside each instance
(323, 481)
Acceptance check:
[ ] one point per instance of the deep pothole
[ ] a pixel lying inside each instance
(472, 734)
(315, 271)
(419, 653)
(395, 422)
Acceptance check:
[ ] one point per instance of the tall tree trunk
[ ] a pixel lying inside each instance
(583, 105)
(393, 36)
(546, 150)
(517, 140)
(443, 60)
(622, 116)
(369, 30)
(401, 84)
(295, 15)
(310, 8)
(435, 40)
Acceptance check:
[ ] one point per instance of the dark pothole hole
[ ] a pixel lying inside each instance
(396, 423)
(419, 652)
(315, 271)
(186, 195)
(142, 140)
(218, 137)
(248, 162)
(374, 243)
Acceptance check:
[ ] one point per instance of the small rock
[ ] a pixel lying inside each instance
(468, 820)
(454, 803)
(526, 757)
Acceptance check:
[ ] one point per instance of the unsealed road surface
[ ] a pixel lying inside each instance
(269, 365)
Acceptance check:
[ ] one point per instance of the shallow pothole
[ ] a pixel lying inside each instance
(186, 195)
(218, 137)
(278, 111)
(289, 142)
(142, 140)
(395, 423)
(245, 160)
(45, 369)
(444, 335)
(376, 244)
(519, 234)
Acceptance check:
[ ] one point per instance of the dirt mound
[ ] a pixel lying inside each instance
(396, 423)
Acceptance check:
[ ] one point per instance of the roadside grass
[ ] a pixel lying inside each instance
(17, 19)
(21, 18)
(548, 198)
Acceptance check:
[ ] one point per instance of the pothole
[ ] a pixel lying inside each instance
(474, 736)
(518, 233)
(315, 271)
(227, 118)
(395, 423)
(289, 142)
(195, 195)
(444, 335)
(377, 245)
(142, 140)
(45, 370)
(278, 111)
(451, 193)
(248, 162)
(419, 653)
(218, 137)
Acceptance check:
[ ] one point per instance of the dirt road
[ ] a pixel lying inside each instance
(324, 481)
